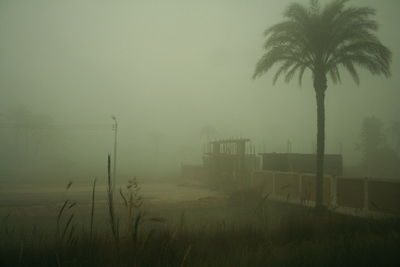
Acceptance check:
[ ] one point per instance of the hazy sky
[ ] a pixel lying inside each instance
(171, 67)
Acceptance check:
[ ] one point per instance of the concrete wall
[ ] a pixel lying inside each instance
(350, 192)
(287, 185)
(347, 194)
(308, 188)
(384, 196)
(300, 163)
(265, 181)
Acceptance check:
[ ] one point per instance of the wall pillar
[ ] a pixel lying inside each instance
(273, 184)
(334, 191)
(300, 187)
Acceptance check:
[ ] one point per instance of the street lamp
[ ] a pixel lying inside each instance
(115, 128)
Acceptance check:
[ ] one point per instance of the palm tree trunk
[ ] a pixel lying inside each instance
(320, 151)
(320, 85)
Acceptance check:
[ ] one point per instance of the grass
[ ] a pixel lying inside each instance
(272, 234)
(301, 238)
(305, 241)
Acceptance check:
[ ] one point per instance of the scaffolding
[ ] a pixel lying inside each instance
(230, 158)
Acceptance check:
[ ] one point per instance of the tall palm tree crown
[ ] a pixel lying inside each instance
(322, 40)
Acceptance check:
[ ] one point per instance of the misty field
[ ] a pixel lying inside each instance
(184, 224)
(199, 133)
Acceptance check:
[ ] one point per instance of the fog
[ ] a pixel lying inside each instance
(166, 70)
(150, 133)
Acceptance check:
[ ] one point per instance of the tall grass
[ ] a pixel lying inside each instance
(305, 240)
(133, 203)
(67, 205)
(300, 238)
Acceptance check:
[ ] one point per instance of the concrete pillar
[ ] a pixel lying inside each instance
(300, 187)
(334, 191)
(273, 184)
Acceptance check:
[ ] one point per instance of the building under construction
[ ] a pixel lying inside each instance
(235, 160)
(230, 159)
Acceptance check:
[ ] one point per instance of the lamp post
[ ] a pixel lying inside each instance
(115, 128)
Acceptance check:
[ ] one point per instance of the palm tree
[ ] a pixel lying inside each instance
(321, 40)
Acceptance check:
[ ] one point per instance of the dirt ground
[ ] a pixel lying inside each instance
(37, 206)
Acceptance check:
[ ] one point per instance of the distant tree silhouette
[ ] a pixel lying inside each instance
(378, 158)
(395, 133)
(321, 40)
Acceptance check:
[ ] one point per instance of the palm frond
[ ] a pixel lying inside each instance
(296, 12)
(333, 9)
(301, 73)
(323, 40)
(335, 75)
(289, 75)
(275, 55)
(350, 68)
(282, 70)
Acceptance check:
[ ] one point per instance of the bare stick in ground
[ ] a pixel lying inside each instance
(92, 212)
(110, 201)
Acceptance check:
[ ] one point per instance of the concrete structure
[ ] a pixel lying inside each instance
(225, 161)
(304, 163)
(351, 195)
(231, 159)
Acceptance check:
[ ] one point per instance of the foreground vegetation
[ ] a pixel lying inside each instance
(268, 234)
(300, 238)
